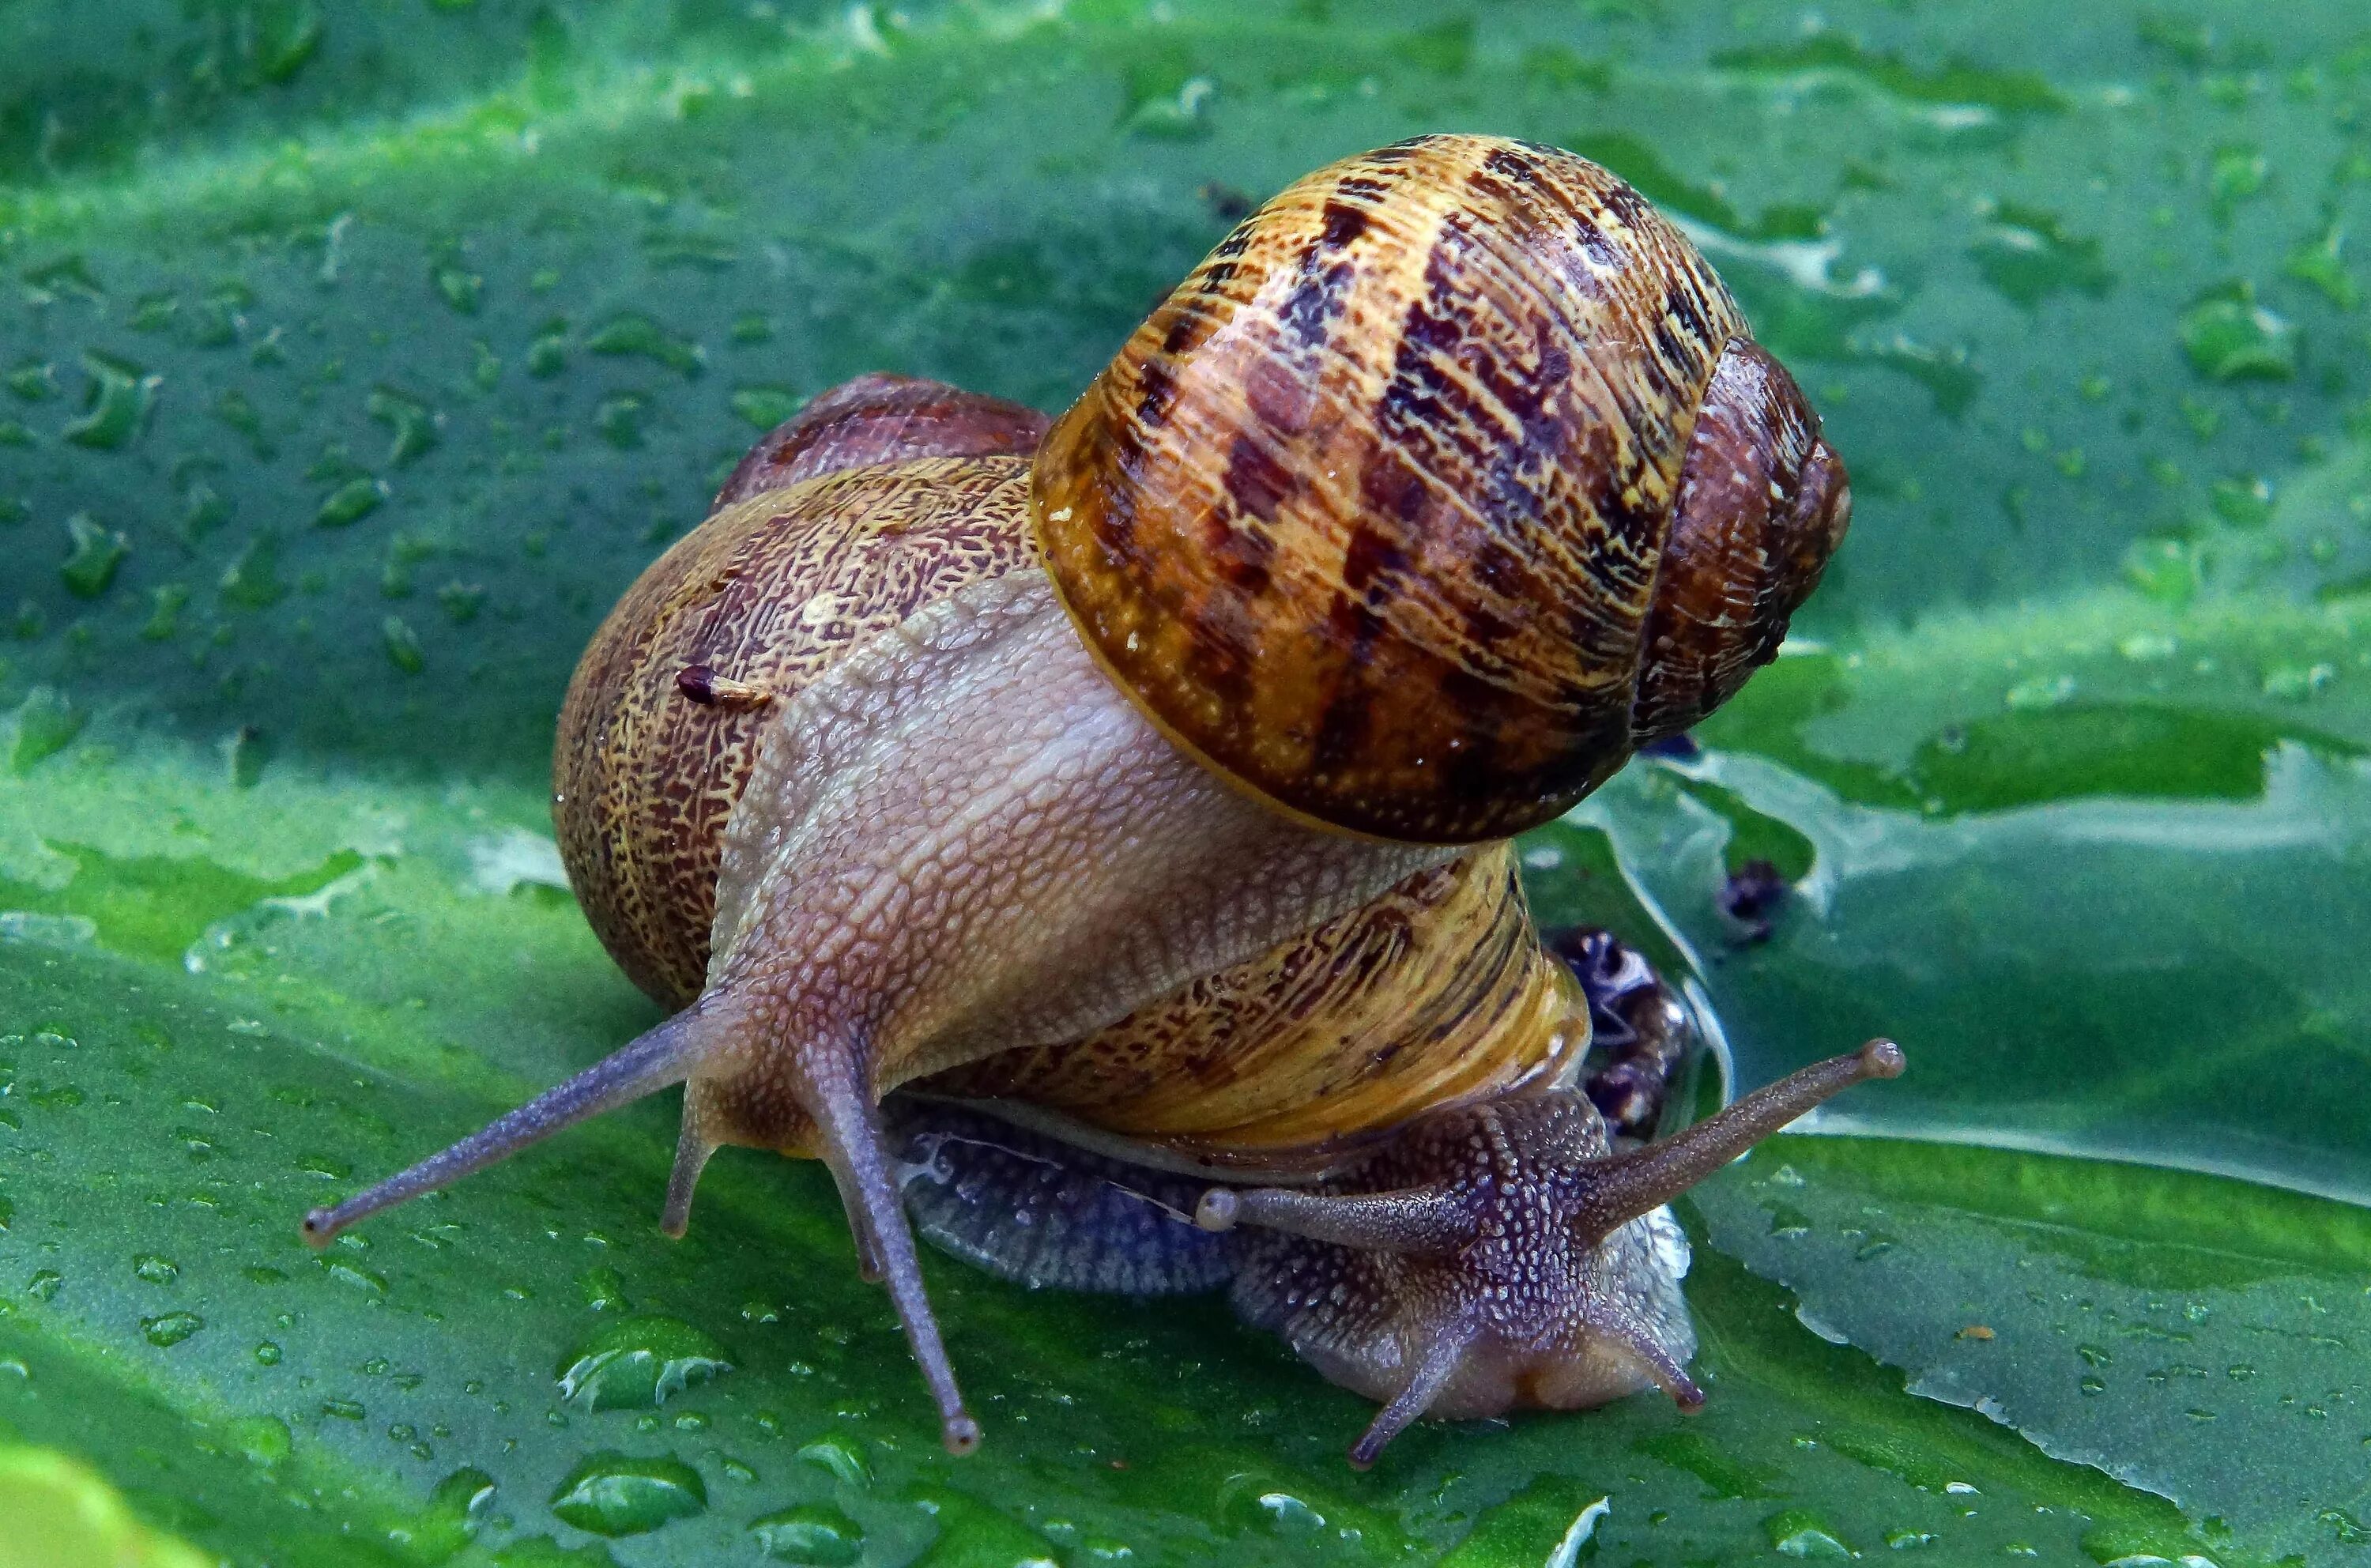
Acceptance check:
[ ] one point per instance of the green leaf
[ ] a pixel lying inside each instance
(311, 308)
(2191, 1335)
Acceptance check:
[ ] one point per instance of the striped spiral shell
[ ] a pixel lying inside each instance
(1445, 481)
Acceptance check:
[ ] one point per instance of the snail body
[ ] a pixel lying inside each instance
(1154, 786)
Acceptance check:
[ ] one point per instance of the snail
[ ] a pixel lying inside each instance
(1142, 783)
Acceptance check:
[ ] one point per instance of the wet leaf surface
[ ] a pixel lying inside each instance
(353, 359)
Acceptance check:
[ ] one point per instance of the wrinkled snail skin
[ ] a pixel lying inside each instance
(1150, 783)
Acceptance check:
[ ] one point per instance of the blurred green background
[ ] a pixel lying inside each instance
(357, 355)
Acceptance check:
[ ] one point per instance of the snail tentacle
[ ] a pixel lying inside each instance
(1441, 1362)
(834, 1088)
(1606, 1193)
(665, 1055)
(1422, 1222)
(1669, 1374)
(694, 1145)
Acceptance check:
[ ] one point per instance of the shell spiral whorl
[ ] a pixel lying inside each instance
(770, 591)
(1372, 513)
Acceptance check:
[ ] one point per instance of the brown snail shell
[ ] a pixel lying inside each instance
(768, 595)
(1375, 513)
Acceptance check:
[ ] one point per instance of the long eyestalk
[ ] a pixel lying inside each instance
(665, 1055)
(830, 1088)
(1610, 1192)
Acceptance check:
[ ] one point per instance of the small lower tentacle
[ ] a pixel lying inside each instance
(1441, 1359)
(1668, 1375)
(693, 1148)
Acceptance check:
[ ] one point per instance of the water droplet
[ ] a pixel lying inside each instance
(2040, 691)
(2296, 683)
(2350, 1530)
(1288, 1514)
(2229, 337)
(354, 1278)
(403, 645)
(547, 356)
(766, 406)
(603, 1290)
(2318, 262)
(1799, 1532)
(47, 723)
(94, 554)
(264, 1439)
(351, 502)
(44, 1284)
(344, 1410)
(412, 423)
(634, 333)
(117, 404)
(69, 274)
(841, 1455)
(170, 1328)
(267, 1353)
(455, 1510)
(36, 381)
(813, 1533)
(2236, 172)
(456, 286)
(619, 419)
(639, 1362)
(616, 1494)
(156, 1269)
(2163, 568)
(2028, 255)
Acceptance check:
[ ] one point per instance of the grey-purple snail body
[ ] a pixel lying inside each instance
(1142, 786)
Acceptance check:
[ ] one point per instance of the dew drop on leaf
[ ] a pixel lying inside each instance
(812, 1533)
(264, 1439)
(841, 1455)
(639, 1362)
(616, 1494)
(170, 1328)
